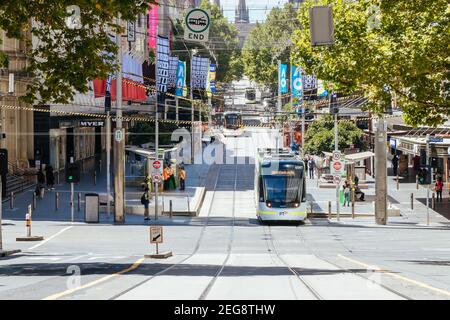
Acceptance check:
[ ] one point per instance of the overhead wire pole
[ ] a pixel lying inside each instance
(191, 92)
(380, 173)
(279, 87)
(119, 146)
(336, 148)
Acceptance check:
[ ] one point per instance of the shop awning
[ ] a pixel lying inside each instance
(359, 156)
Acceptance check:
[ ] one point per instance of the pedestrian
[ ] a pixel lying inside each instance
(305, 161)
(145, 200)
(311, 167)
(182, 176)
(50, 177)
(165, 176)
(438, 187)
(346, 188)
(395, 164)
(172, 181)
(41, 184)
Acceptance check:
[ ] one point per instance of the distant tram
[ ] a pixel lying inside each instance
(250, 95)
(280, 186)
(232, 123)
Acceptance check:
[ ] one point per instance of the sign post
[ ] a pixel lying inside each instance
(156, 237)
(197, 22)
(337, 169)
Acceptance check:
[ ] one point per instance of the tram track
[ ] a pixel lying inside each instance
(196, 248)
(272, 243)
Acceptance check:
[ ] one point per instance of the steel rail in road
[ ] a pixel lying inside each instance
(230, 244)
(197, 246)
(291, 269)
(347, 270)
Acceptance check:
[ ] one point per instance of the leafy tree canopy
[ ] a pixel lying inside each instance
(384, 48)
(267, 43)
(66, 58)
(320, 136)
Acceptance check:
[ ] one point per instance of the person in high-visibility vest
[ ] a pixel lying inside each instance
(182, 176)
(166, 174)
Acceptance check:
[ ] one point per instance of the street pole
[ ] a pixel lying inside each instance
(176, 108)
(72, 197)
(119, 146)
(1, 213)
(209, 114)
(303, 130)
(279, 87)
(428, 187)
(108, 163)
(192, 110)
(156, 185)
(380, 173)
(336, 148)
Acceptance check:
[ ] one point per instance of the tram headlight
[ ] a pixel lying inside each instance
(269, 204)
(296, 204)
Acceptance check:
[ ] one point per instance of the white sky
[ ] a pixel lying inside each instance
(258, 9)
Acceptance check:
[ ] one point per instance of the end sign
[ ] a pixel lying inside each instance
(197, 24)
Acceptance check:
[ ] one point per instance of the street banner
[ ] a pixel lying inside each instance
(152, 26)
(200, 69)
(309, 82)
(212, 77)
(321, 92)
(181, 78)
(282, 81)
(296, 82)
(173, 66)
(162, 67)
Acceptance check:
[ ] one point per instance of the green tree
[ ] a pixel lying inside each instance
(65, 58)
(320, 136)
(222, 47)
(384, 49)
(268, 42)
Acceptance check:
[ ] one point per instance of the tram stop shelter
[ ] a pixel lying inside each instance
(355, 164)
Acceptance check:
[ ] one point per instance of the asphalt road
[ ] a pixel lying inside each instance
(224, 253)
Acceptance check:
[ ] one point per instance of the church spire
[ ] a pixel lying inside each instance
(242, 14)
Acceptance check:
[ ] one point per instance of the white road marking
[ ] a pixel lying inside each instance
(50, 238)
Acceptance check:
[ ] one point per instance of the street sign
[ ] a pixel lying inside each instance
(156, 168)
(156, 234)
(337, 178)
(156, 178)
(435, 139)
(131, 31)
(118, 135)
(337, 167)
(336, 155)
(197, 24)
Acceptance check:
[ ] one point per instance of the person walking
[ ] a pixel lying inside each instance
(346, 188)
(438, 187)
(395, 164)
(41, 184)
(311, 167)
(50, 177)
(145, 200)
(165, 176)
(182, 176)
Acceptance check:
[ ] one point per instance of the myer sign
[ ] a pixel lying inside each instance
(197, 23)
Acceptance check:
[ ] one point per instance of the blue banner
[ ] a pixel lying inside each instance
(181, 78)
(212, 77)
(282, 81)
(296, 82)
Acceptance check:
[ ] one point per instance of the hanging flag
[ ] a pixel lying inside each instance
(212, 78)
(162, 67)
(173, 67)
(296, 82)
(200, 68)
(181, 78)
(282, 81)
(321, 92)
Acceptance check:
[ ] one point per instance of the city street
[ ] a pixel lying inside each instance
(225, 253)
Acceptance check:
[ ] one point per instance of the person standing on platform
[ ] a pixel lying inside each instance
(395, 164)
(182, 176)
(165, 177)
(50, 178)
(172, 182)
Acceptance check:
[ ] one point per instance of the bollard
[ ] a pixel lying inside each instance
(79, 201)
(412, 201)
(353, 203)
(11, 200)
(329, 209)
(417, 182)
(28, 224)
(170, 209)
(56, 201)
(433, 201)
(34, 200)
(397, 182)
(95, 178)
(189, 206)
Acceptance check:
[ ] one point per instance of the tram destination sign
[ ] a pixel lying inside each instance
(197, 22)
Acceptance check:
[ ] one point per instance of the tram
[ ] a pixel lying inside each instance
(232, 123)
(250, 95)
(280, 186)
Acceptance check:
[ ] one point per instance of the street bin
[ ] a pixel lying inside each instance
(91, 207)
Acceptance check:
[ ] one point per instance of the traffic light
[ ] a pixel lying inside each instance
(72, 173)
(424, 175)
(434, 162)
(334, 109)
